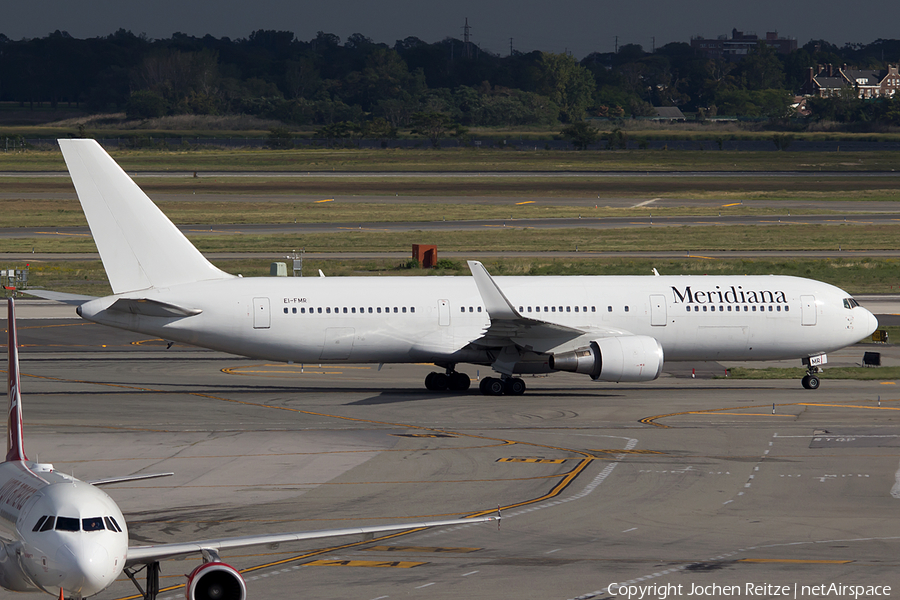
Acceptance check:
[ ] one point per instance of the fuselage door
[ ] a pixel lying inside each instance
(338, 343)
(261, 318)
(443, 313)
(807, 310)
(657, 310)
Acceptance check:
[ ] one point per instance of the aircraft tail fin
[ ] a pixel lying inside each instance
(140, 247)
(15, 446)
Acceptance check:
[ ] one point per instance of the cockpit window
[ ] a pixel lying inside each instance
(92, 524)
(67, 524)
(39, 523)
(112, 525)
(48, 524)
(850, 303)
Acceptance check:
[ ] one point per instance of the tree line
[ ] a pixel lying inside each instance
(374, 89)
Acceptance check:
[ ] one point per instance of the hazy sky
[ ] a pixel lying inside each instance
(580, 26)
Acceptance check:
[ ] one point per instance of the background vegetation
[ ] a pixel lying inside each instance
(357, 88)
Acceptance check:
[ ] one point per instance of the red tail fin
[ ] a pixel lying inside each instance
(15, 449)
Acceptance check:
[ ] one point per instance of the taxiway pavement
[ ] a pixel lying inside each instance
(679, 481)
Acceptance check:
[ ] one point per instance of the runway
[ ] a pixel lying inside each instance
(680, 481)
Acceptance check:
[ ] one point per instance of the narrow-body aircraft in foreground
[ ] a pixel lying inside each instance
(68, 538)
(610, 328)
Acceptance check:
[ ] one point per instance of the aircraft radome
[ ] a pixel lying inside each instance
(610, 328)
(69, 539)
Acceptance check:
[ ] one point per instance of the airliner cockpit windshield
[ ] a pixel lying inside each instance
(46, 523)
(850, 303)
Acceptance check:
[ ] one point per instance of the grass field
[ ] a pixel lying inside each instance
(465, 160)
(693, 239)
(855, 276)
(860, 373)
(67, 213)
(878, 188)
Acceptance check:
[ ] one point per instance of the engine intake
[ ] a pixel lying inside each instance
(622, 358)
(215, 581)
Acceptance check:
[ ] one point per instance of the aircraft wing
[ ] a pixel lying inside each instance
(127, 478)
(509, 327)
(150, 554)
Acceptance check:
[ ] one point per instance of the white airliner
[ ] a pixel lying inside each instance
(66, 537)
(610, 328)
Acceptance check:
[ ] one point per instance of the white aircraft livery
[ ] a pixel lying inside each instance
(69, 539)
(610, 328)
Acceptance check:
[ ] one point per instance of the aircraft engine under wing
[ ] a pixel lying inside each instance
(620, 358)
(608, 356)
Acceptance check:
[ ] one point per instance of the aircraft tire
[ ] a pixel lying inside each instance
(429, 381)
(491, 386)
(514, 386)
(440, 381)
(812, 382)
(459, 382)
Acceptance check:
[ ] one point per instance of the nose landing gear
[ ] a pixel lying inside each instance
(813, 366)
(810, 381)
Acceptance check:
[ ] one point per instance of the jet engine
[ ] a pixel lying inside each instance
(215, 581)
(623, 358)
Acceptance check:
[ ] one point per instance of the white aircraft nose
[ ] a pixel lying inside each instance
(871, 324)
(87, 567)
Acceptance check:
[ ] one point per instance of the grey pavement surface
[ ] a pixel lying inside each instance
(200, 230)
(680, 481)
(559, 174)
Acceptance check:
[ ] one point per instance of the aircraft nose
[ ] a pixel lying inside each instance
(871, 323)
(87, 567)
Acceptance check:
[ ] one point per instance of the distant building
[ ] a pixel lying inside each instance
(826, 80)
(740, 44)
(668, 113)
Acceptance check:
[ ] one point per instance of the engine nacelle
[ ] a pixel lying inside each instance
(215, 581)
(622, 358)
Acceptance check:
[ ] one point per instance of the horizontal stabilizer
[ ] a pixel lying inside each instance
(73, 299)
(152, 308)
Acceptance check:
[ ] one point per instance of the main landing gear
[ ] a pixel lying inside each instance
(460, 382)
(511, 386)
(451, 380)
